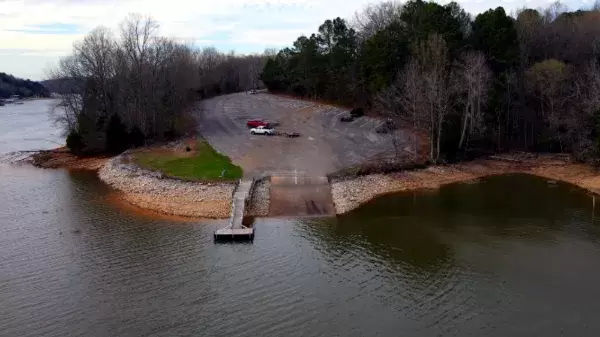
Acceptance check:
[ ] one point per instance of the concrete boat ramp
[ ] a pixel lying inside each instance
(291, 194)
(235, 230)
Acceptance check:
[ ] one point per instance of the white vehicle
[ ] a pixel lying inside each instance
(261, 130)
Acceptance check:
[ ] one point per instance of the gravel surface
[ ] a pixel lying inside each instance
(260, 199)
(325, 144)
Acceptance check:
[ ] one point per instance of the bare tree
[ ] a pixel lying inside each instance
(509, 82)
(471, 81)
(376, 17)
(432, 55)
(587, 88)
(586, 106)
(404, 100)
(421, 94)
(141, 80)
(546, 82)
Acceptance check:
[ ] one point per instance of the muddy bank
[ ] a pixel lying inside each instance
(152, 190)
(350, 193)
(63, 158)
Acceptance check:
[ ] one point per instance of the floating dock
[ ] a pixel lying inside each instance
(236, 231)
(234, 234)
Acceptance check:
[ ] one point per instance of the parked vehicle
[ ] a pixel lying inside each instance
(386, 126)
(262, 130)
(346, 118)
(256, 123)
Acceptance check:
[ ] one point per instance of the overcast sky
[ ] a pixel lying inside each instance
(34, 34)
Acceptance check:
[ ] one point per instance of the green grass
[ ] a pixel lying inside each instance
(205, 164)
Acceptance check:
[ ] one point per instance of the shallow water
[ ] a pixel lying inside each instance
(508, 256)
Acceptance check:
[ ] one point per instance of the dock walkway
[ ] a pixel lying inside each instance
(235, 230)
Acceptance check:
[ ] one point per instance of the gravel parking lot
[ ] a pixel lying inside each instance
(325, 144)
(297, 166)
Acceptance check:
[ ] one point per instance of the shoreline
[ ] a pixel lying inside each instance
(63, 158)
(154, 191)
(352, 192)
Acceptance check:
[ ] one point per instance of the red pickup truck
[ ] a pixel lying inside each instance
(256, 123)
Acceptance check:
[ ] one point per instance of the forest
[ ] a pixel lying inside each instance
(136, 87)
(10, 85)
(466, 85)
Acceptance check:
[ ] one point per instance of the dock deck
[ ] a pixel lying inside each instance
(234, 234)
(236, 231)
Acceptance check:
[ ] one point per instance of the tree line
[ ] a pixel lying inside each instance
(465, 85)
(10, 86)
(137, 87)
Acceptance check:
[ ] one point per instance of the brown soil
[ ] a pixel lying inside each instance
(63, 158)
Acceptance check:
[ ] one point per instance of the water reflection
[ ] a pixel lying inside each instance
(463, 257)
(508, 256)
(29, 126)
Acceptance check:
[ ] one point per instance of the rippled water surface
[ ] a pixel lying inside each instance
(508, 256)
(29, 126)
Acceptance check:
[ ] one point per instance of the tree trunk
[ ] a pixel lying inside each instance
(464, 126)
(439, 137)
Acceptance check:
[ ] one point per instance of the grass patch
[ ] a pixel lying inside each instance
(204, 164)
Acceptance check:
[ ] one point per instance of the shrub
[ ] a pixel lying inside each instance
(357, 112)
(75, 142)
(376, 167)
(117, 138)
(136, 137)
(170, 134)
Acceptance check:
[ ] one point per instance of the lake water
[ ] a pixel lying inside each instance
(29, 126)
(508, 256)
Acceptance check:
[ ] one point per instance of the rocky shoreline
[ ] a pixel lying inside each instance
(260, 200)
(152, 190)
(351, 192)
(155, 192)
